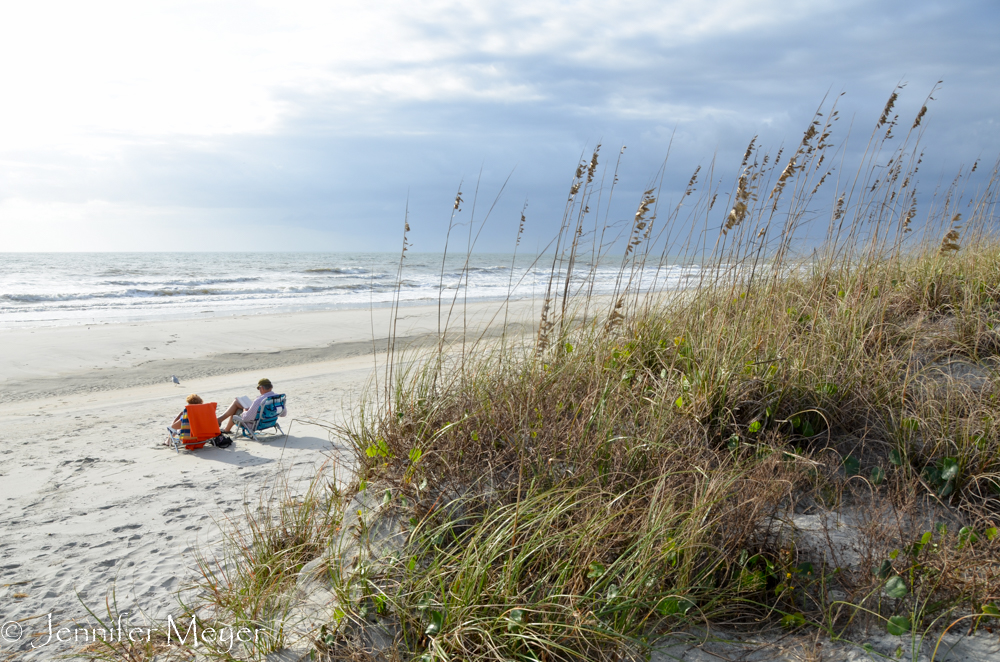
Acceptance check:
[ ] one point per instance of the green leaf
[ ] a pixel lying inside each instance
(990, 609)
(852, 466)
(910, 424)
(674, 605)
(792, 621)
(884, 570)
(920, 544)
(596, 570)
(828, 388)
(412, 565)
(967, 535)
(755, 427)
(949, 468)
(613, 591)
(752, 580)
(378, 449)
(436, 623)
(387, 497)
(679, 402)
(896, 587)
(896, 458)
(568, 347)
(515, 619)
(991, 533)
(898, 625)
(415, 455)
(878, 476)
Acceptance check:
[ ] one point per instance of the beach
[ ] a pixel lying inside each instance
(96, 508)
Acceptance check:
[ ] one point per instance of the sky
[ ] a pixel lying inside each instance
(322, 126)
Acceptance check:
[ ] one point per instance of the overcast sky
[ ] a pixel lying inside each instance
(309, 125)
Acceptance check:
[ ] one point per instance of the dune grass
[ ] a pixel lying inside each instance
(637, 466)
(627, 479)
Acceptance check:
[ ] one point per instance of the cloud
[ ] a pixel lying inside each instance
(329, 117)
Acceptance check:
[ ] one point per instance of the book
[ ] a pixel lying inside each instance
(244, 401)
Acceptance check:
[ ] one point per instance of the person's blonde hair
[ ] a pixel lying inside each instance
(194, 399)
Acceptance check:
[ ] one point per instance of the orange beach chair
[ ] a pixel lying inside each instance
(198, 426)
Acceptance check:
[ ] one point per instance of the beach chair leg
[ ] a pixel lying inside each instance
(172, 439)
(247, 432)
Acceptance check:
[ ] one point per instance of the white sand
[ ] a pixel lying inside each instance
(91, 499)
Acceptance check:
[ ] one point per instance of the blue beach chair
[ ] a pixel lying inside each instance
(267, 418)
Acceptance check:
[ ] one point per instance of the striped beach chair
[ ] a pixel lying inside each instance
(198, 426)
(267, 418)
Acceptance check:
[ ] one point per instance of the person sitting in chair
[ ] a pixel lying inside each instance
(244, 411)
(181, 423)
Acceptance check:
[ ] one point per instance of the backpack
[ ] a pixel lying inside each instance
(222, 441)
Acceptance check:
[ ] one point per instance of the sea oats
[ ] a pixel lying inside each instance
(888, 109)
(950, 242)
(593, 164)
(746, 156)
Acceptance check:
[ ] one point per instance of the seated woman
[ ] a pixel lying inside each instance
(181, 422)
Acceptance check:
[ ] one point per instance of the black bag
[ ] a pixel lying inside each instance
(222, 441)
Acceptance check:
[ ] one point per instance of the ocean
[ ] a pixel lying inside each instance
(45, 289)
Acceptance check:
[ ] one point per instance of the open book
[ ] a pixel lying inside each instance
(245, 402)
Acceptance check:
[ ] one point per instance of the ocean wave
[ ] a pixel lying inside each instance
(186, 283)
(347, 271)
(166, 292)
